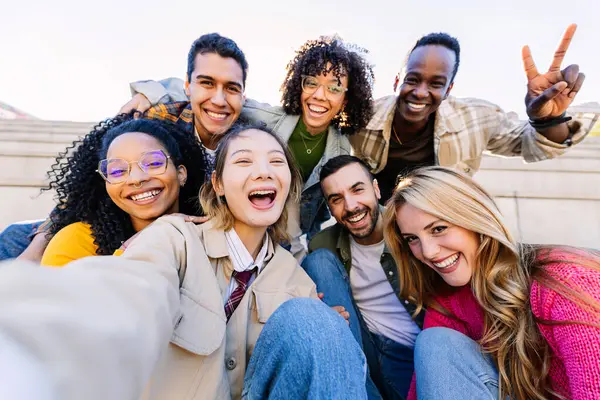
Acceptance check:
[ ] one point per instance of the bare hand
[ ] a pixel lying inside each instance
(36, 248)
(550, 94)
(192, 218)
(339, 309)
(342, 311)
(138, 102)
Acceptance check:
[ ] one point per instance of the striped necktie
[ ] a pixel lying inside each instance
(242, 279)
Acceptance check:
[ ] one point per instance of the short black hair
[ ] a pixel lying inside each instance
(336, 163)
(313, 58)
(217, 44)
(441, 39)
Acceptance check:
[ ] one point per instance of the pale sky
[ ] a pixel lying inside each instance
(73, 60)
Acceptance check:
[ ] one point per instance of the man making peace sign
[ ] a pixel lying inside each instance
(423, 125)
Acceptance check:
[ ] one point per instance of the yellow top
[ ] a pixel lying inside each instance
(71, 243)
(596, 130)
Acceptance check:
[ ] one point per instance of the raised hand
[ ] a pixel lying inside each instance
(550, 94)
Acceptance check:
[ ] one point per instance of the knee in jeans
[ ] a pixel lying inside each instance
(320, 261)
(439, 342)
(307, 317)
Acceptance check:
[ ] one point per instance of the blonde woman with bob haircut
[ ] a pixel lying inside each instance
(505, 320)
(231, 314)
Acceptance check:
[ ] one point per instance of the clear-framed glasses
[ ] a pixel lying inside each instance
(310, 84)
(116, 170)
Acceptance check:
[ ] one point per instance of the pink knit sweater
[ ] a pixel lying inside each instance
(575, 369)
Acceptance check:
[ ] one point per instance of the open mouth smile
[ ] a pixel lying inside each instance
(145, 197)
(217, 116)
(263, 199)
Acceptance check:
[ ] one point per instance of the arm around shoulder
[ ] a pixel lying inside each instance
(164, 91)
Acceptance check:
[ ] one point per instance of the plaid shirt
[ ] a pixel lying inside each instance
(465, 129)
(180, 113)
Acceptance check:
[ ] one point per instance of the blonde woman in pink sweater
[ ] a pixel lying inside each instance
(505, 320)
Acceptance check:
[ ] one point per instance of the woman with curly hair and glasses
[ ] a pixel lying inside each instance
(116, 181)
(503, 319)
(326, 97)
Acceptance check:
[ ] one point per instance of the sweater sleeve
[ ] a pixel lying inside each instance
(576, 345)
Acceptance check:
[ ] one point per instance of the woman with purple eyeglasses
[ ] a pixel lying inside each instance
(119, 179)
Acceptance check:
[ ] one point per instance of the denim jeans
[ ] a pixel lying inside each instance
(305, 351)
(16, 237)
(451, 366)
(390, 363)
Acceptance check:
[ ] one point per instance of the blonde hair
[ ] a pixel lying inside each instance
(502, 282)
(216, 208)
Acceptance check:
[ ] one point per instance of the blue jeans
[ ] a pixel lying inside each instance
(390, 363)
(305, 351)
(16, 237)
(451, 366)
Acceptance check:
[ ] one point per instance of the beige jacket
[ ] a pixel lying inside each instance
(110, 319)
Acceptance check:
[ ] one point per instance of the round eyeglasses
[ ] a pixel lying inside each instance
(117, 170)
(311, 84)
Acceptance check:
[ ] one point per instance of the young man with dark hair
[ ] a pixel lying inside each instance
(215, 83)
(352, 267)
(424, 125)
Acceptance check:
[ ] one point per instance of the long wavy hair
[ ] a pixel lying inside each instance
(217, 209)
(81, 192)
(502, 281)
(313, 59)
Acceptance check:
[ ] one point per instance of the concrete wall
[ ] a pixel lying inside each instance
(554, 201)
(27, 150)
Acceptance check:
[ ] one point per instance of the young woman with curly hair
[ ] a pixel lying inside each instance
(116, 181)
(504, 319)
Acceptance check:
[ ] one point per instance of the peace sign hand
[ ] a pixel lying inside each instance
(550, 94)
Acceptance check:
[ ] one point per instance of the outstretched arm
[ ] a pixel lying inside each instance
(549, 94)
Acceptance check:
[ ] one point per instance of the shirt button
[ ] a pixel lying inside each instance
(405, 301)
(391, 273)
(231, 363)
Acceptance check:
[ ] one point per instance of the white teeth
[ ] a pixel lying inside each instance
(417, 106)
(216, 115)
(145, 196)
(447, 262)
(358, 217)
(262, 192)
(317, 109)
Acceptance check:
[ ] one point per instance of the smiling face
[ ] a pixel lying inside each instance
(255, 180)
(158, 194)
(449, 250)
(320, 107)
(353, 197)
(216, 92)
(427, 83)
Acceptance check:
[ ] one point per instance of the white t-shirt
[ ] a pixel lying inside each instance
(375, 298)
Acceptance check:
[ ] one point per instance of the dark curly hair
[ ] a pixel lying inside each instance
(444, 40)
(312, 59)
(81, 193)
(217, 44)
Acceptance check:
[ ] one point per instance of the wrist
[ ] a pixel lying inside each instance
(544, 123)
